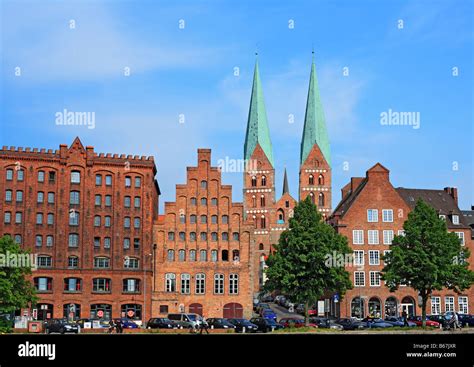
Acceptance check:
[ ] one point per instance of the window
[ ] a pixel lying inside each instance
(127, 201)
(18, 217)
(98, 180)
(320, 180)
(18, 239)
(442, 216)
(385, 253)
(43, 284)
(20, 175)
(254, 181)
(40, 197)
(136, 222)
(214, 201)
(214, 255)
(137, 202)
(387, 215)
(463, 304)
(263, 222)
(214, 219)
(203, 184)
(19, 196)
(97, 242)
(131, 263)
(359, 279)
(39, 218)
(203, 201)
(170, 282)
(38, 240)
(50, 219)
(101, 285)
(203, 219)
(108, 200)
(192, 219)
(182, 218)
(455, 219)
(311, 180)
(72, 284)
(182, 236)
(185, 283)
(7, 217)
(262, 200)
(107, 221)
(225, 236)
(107, 242)
(192, 255)
(449, 304)
(181, 255)
(321, 199)
(136, 243)
(235, 236)
(8, 195)
(97, 221)
(358, 257)
(200, 283)
(101, 262)
(387, 237)
(40, 176)
(225, 255)
(104, 308)
(264, 181)
(435, 305)
(373, 237)
(170, 255)
(108, 180)
(374, 257)
(138, 182)
(73, 218)
(9, 174)
(372, 215)
(128, 181)
(45, 261)
(98, 200)
(131, 285)
(73, 240)
(52, 176)
(193, 201)
(203, 236)
(233, 283)
(358, 237)
(126, 243)
(75, 177)
(74, 197)
(126, 222)
(225, 219)
(219, 284)
(171, 236)
(203, 255)
(50, 197)
(72, 261)
(235, 255)
(374, 279)
(461, 237)
(401, 232)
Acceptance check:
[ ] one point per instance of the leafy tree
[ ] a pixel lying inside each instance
(299, 267)
(16, 290)
(427, 257)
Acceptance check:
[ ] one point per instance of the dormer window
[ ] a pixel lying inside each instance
(442, 216)
(455, 219)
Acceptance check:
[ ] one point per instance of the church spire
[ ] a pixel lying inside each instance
(257, 124)
(285, 184)
(314, 131)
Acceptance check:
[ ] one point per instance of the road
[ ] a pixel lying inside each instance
(282, 312)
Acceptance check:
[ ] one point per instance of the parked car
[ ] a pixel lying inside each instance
(127, 323)
(282, 300)
(430, 323)
(243, 326)
(265, 325)
(268, 314)
(293, 322)
(300, 309)
(220, 323)
(186, 320)
(466, 320)
(351, 324)
(61, 326)
(372, 323)
(398, 321)
(325, 323)
(261, 307)
(161, 323)
(102, 323)
(278, 298)
(267, 298)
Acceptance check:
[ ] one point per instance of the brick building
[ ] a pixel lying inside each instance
(89, 218)
(203, 256)
(268, 214)
(370, 214)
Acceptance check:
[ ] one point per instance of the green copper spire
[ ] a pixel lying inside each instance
(314, 131)
(257, 125)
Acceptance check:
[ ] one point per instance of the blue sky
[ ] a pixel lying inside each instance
(190, 71)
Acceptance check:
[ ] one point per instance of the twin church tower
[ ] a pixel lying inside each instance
(269, 215)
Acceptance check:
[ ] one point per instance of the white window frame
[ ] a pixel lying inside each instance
(449, 305)
(386, 233)
(358, 237)
(170, 282)
(463, 304)
(200, 286)
(461, 237)
(455, 219)
(372, 215)
(373, 237)
(435, 305)
(387, 215)
(234, 283)
(359, 258)
(185, 283)
(374, 278)
(374, 257)
(358, 277)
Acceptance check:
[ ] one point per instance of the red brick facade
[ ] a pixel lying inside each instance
(204, 253)
(90, 216)
(389, 210)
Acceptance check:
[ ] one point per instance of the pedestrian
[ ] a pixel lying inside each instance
(405, 318)
(111, 326)
(456, 320)
(204, 326)
(119, 326)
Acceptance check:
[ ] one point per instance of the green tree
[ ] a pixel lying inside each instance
(299, 267)
(427, 257)
(16, 290)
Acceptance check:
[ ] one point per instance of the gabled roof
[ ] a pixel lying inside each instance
(257, 124)
(314, 131)
(77, 144)
(349, 199)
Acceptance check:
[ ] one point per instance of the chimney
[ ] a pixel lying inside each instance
(453, 192)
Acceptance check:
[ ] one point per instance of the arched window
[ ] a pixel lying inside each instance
(260, 247)
(254, 201)
(321, 199)
(321, 180)
(263, 223)
(262, 200)
(225, 255)
(281, 216)
(203, 201)
(311, 180)
(358, 307)
(311, 195)
(264, 181)
(170, 255)
(235, 255)
(254, 181)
